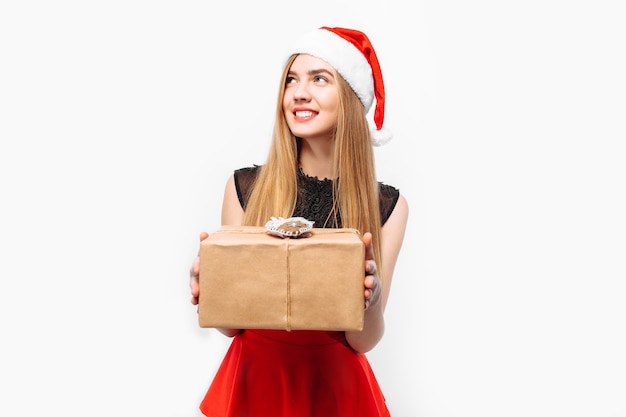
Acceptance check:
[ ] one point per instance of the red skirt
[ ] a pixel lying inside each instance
(275, 373)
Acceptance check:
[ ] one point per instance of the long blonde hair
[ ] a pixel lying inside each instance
(355, 190)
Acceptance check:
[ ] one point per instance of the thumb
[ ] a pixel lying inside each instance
(369, 249)
(203, 235)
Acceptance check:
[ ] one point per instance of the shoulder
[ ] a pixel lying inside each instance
(244, 180)
(245, 177)
(388, 199)
(388, 191)
(249, 169)
(247, 172)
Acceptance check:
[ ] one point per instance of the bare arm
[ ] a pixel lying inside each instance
(232, 212)
(377, 292)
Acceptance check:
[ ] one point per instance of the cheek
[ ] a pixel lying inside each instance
(332, 107)
(286, 103)
(332, 101)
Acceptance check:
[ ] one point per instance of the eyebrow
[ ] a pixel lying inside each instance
(315, 72)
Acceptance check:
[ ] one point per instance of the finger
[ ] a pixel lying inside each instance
(194, 271)
(369, 283)
(370, 267)
(194, 285)
(369, 249)
(194, 274)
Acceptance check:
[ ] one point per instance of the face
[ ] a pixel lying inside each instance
(311, 98)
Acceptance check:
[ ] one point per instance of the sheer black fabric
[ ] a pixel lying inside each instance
(315, 200)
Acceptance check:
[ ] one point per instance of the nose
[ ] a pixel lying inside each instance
(301, 92)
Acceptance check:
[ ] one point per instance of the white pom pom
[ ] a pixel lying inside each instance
(381, 137)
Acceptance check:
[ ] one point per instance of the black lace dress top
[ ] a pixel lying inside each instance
(314, 196)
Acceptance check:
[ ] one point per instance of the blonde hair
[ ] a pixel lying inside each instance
(355, 190)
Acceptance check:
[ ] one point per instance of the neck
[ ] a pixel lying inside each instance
(316, 159)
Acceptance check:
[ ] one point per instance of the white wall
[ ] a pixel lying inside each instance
(121, 120)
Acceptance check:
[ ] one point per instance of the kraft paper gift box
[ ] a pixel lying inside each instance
(250, 279)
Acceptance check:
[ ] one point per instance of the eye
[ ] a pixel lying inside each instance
(321, 79)
(290, 80)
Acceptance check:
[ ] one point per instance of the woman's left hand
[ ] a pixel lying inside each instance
(372, 284)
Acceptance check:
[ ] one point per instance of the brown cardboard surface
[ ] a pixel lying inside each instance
(252, 280)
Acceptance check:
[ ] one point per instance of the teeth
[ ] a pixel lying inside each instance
(304, 113)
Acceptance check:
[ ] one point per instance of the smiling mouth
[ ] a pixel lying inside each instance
(304, 114)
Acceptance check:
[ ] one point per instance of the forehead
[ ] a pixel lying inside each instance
(306, 62)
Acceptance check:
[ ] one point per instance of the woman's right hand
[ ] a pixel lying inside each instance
(194, 274)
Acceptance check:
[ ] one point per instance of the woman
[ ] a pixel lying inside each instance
(321, 167)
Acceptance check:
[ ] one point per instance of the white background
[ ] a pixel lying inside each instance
(121, 120)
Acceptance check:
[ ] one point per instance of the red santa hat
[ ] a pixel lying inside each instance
(351, 53)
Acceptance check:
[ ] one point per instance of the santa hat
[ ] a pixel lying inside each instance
(350, 52)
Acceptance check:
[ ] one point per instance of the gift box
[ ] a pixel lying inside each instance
(250, 279)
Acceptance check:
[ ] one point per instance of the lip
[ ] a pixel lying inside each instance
(304, 113)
